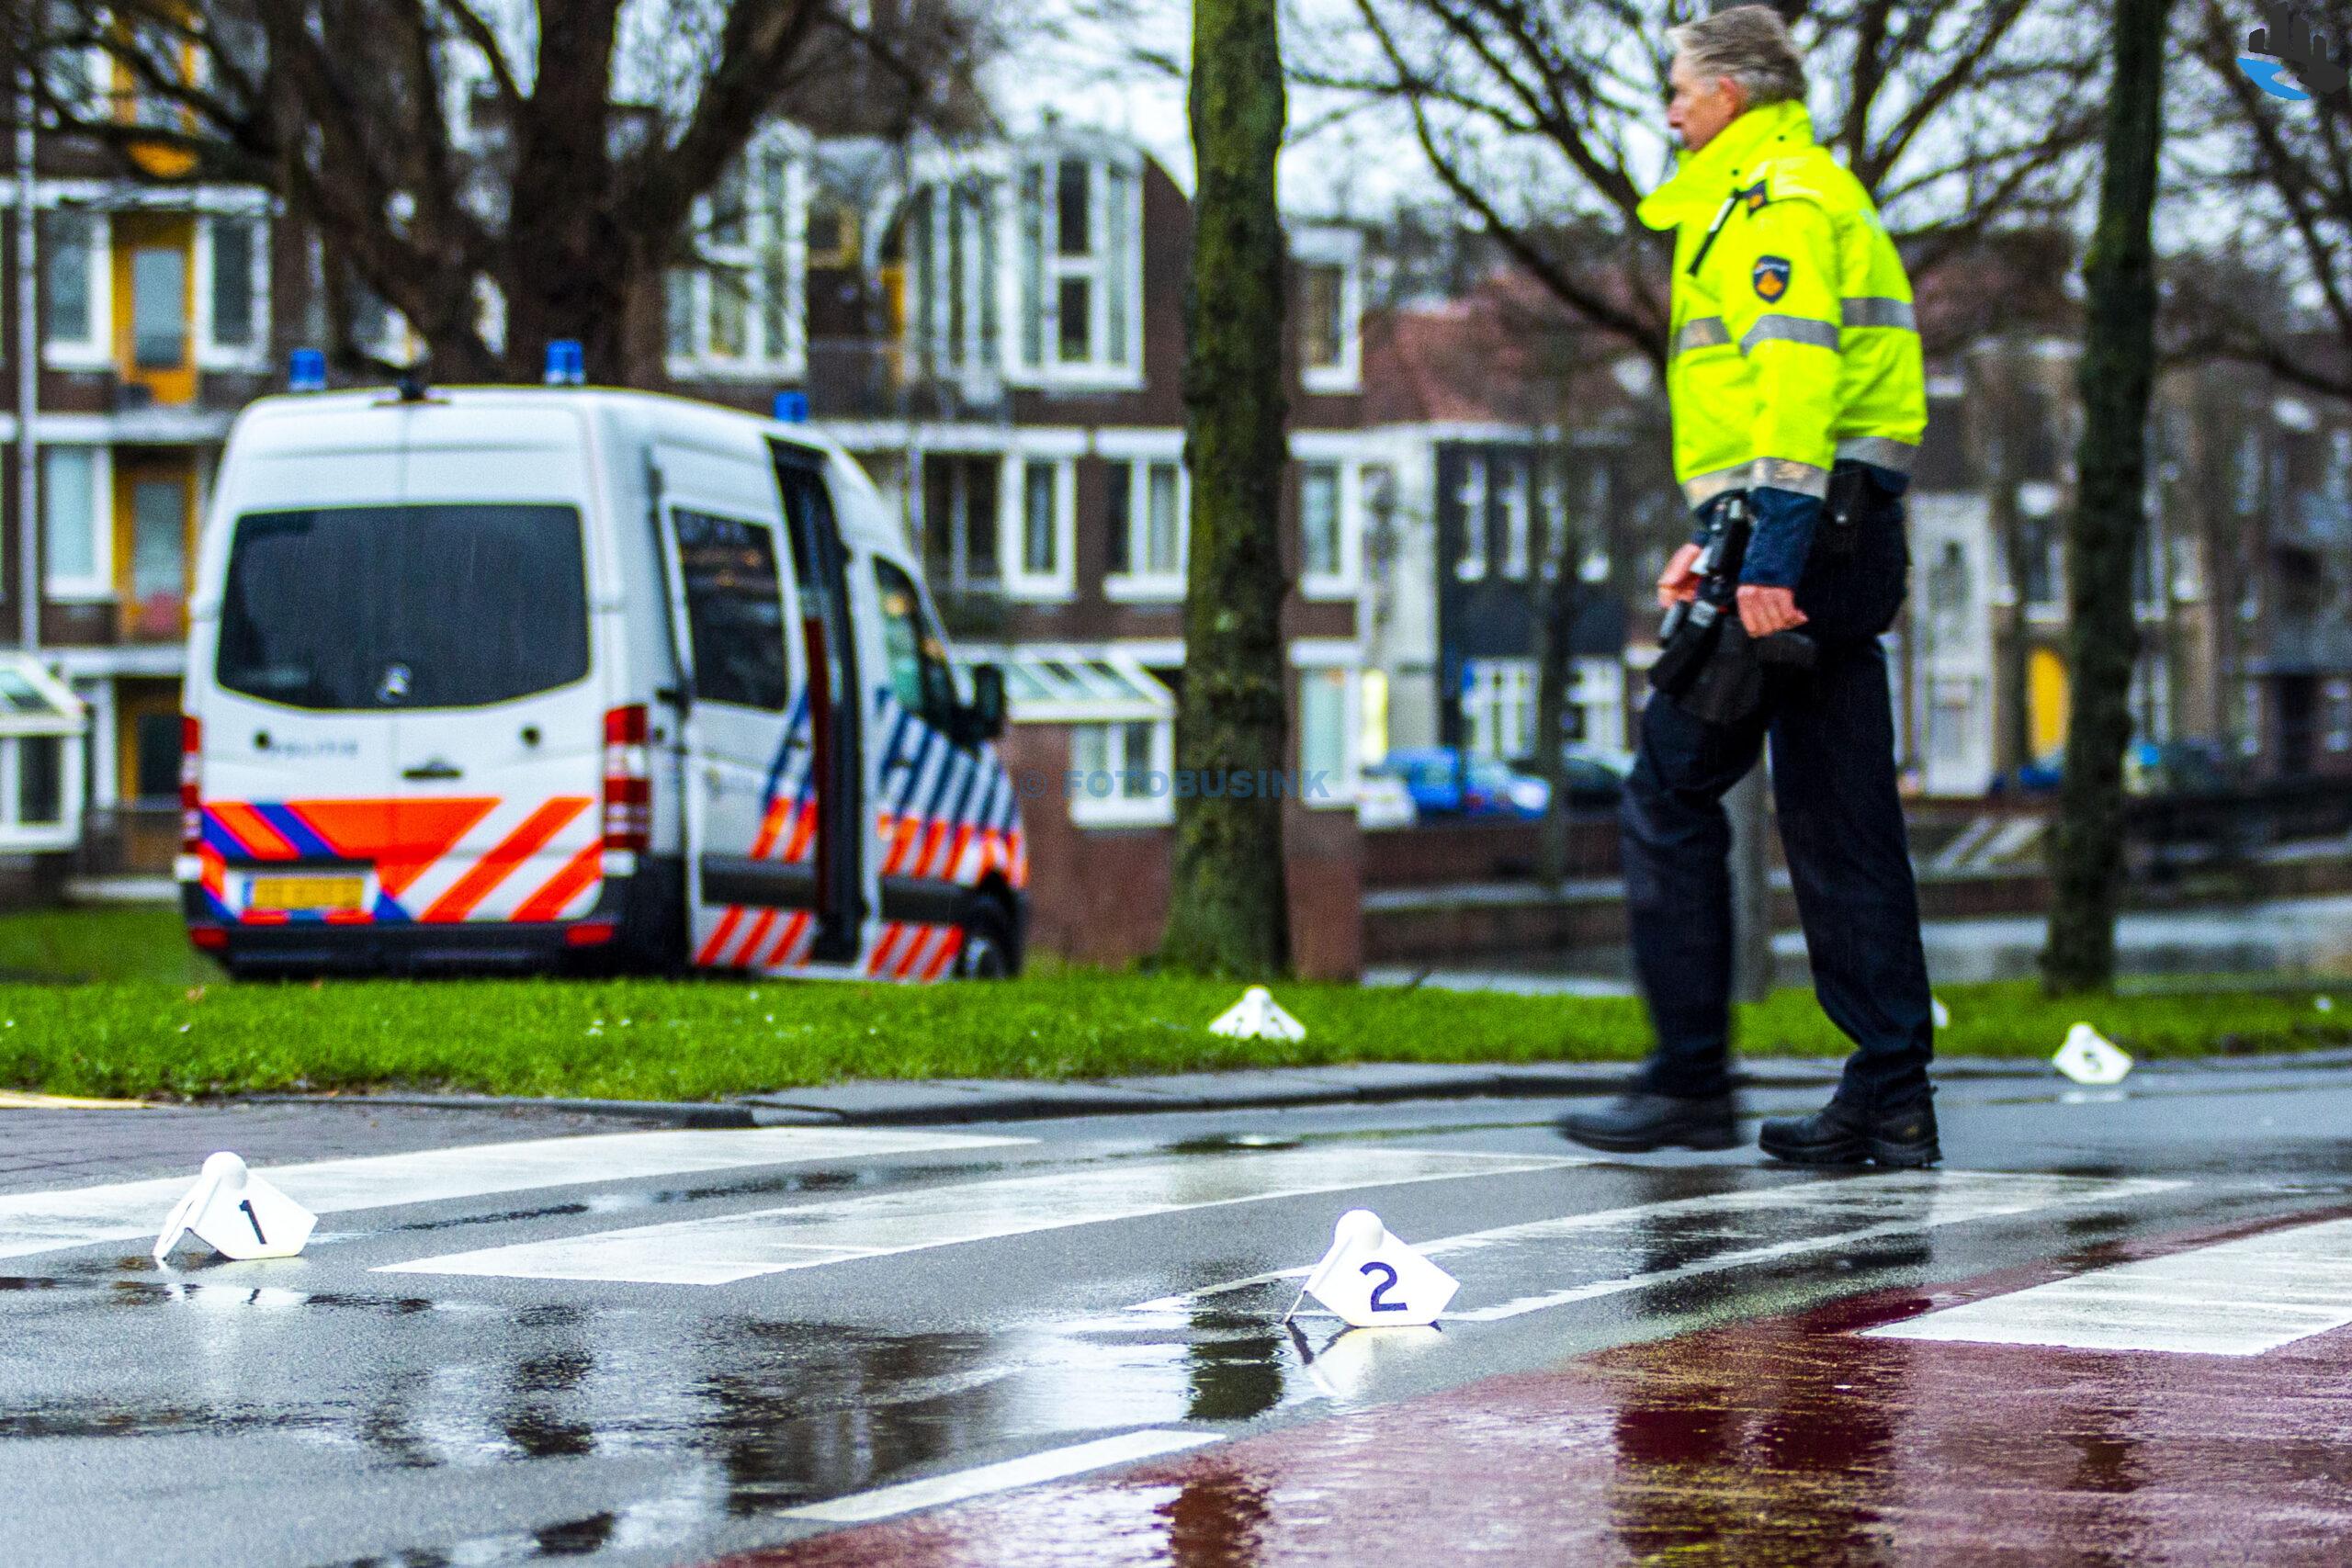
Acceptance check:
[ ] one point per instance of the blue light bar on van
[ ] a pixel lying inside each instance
(305, 371)
(792, 408)
(567, 366)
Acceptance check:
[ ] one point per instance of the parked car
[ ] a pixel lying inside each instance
(1442, 783)
(2039, 776)
(1594, 778)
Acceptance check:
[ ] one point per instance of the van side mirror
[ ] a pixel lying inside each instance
(984, 720)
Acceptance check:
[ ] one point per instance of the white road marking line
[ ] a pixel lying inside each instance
(1897, 1204)
(2235, 1298)
(727, 1247)
(48, 1222)
(1030, 1470)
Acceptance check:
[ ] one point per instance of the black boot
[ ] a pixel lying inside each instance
(1638, 1122)
(1840, 1134)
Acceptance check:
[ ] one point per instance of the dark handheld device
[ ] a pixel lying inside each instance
(1706, 660)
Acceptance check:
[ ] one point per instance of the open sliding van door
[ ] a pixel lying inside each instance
(751, 888)
(828, 648)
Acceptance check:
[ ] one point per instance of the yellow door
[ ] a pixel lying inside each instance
(2046, 700)
(155, 538)
(154, 303)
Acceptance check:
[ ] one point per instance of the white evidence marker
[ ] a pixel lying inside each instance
(2237, 1298)
(1371, 1280)
(125, 1211)
(1030, 1470)
(725, 1248)
(2090, 1057)
(1257, 1016)
(237, 1214)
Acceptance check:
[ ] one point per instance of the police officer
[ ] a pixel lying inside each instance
(1795, 379)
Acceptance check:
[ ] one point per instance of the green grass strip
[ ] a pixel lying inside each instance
(161, 1032)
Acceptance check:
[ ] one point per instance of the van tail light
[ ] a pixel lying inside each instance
(628, 781)
(191, 784)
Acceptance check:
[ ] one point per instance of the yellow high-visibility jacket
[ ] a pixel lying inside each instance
(1793, 341)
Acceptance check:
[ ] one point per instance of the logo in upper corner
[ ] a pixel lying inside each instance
(1770, 276)
(2288, 60)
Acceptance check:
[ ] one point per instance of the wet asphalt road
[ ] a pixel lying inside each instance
(626, 1368)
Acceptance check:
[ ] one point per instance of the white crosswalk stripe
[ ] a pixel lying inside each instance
(1725, 1230)
(2237, 1298)
(49, 1222)
(726, 1248)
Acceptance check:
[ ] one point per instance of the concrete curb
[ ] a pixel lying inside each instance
(889, 1102)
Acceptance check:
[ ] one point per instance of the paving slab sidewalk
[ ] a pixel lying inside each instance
(886, 1101)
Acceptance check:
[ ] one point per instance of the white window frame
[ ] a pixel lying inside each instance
(777, 217)
(1471, 565)
(1515, 474)
(1491, 688)
(1315, 656)
(1137, 584)
(1107, 246)
(95, 350)
(1343, 248)
(211, 354)
(1154, 809)
(1013, 526)
(1310, 447)
(99, 585)
(973, 355)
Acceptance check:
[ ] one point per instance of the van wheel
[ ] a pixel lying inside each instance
(988, 952)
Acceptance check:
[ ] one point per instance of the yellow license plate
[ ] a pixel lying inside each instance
(290, 894)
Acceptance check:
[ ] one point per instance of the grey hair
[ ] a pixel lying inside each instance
(1749, 44)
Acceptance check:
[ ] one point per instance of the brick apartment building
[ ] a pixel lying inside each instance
(995, 330)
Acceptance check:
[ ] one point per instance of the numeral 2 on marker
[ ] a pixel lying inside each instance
(1387, 1283)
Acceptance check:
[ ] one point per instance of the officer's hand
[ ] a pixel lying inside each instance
(1764, 610)
(1678, 581)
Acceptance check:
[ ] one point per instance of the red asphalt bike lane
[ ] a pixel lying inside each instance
(1780, 1440)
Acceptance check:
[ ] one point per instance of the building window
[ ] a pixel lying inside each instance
(960, 522)
(952, 274)
(73, 286)
(1510, 494)
(1470, 498)
(1148, 527)
(233, 255)
(1323, 731)
(1077, 224)
(76, 527)
(737, 311)
(1327, 304)
(1318, 518)
(1120, 773)
(1322, 316)
(1498, 707)
(1040, 525)
(158, 308)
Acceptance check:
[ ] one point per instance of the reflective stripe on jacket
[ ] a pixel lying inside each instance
(1792, 341)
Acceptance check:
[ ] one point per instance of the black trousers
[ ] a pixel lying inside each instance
(1832, 734)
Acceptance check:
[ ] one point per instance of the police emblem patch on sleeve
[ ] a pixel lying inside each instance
(1770, 276)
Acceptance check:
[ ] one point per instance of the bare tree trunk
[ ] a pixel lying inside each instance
(2117, 373)
(1228, 907)
(1556, 589)
(1996, 390)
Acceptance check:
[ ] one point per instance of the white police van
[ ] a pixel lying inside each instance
(558, 679)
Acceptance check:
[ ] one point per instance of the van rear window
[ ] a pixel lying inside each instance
(403, 606)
